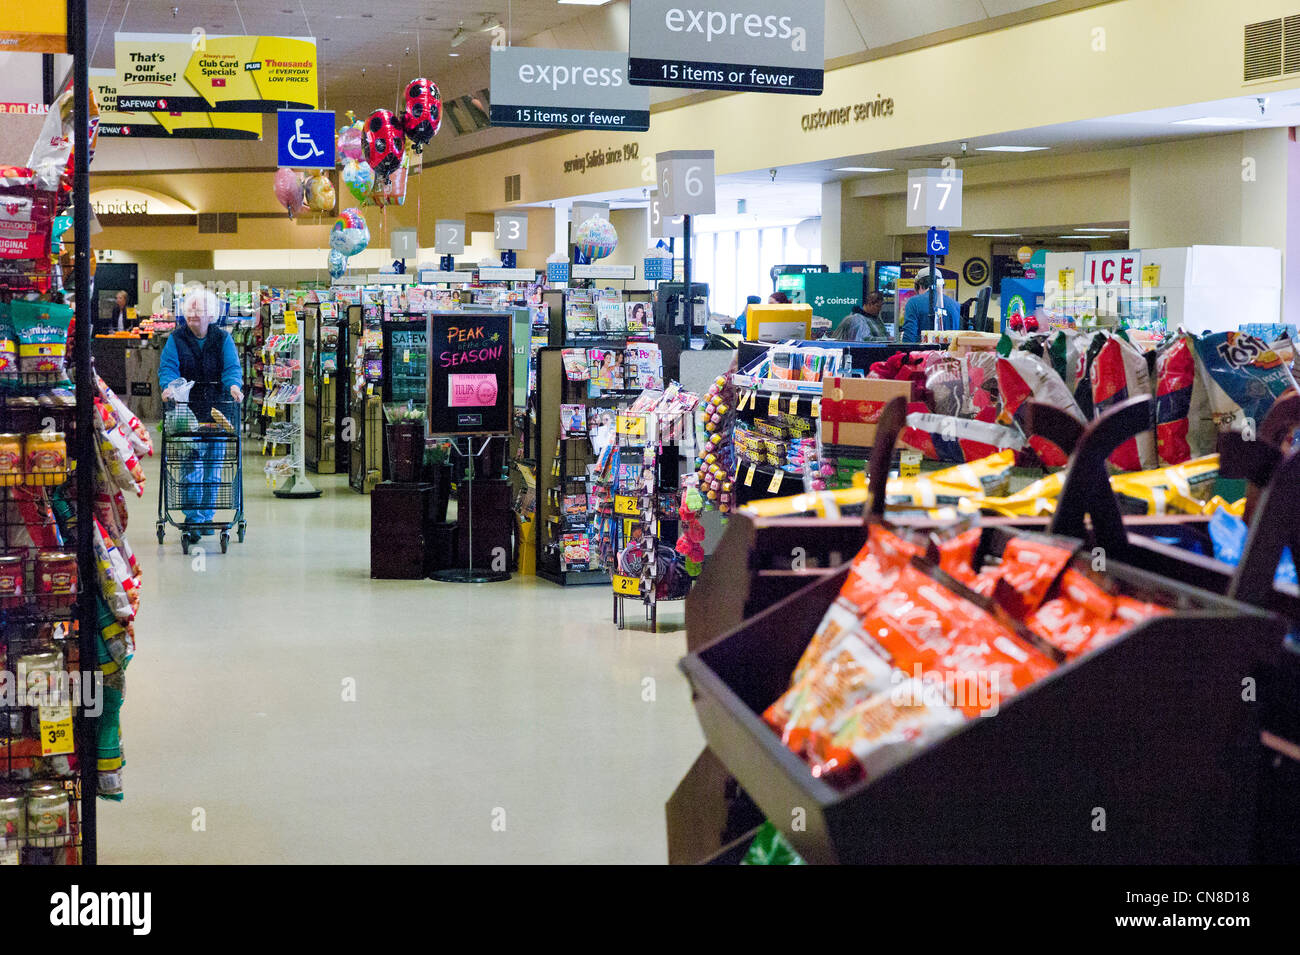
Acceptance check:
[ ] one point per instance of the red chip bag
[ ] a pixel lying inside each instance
(1119, 372)
(1175, 378)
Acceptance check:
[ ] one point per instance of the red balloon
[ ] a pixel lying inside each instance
(422, 112)
(383, 141)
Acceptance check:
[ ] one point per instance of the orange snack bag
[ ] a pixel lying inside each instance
(957, 556)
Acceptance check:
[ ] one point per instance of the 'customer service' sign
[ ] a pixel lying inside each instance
(766, 46)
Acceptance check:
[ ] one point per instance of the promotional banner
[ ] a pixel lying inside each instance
(113, 122)
(163, 72)
(565, 89)
(763, 46)
(469, 381)
(34, 27)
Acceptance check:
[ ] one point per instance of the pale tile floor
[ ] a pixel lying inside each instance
(516, 696)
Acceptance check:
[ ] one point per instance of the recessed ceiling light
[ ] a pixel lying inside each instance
(996, 235)
(1214, 121)
(584, 3)
(1089, 238)
(863, 169)
(1010, 149)
(1094, 229)
(453, 54)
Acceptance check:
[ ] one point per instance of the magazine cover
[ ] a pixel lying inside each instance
(579, 313)
(645, 367)
(573, 420)
(610, 316)
(640, 319)
(575, 364)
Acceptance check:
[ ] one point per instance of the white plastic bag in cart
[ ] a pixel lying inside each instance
(179, 417)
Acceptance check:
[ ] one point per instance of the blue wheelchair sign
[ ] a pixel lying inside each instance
(306, 138)
(936, 242)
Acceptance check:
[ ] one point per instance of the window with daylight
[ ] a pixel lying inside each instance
(739, 263)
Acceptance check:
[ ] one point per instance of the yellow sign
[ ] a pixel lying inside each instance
(1150, 276)
(56, 730)
(1065, 278)
(774, 485)
(290, 322)
(627, 586)
(1024, 254)
(626, 505)
(165, 72)
(163, 124)
(631, 425)
(34, 27)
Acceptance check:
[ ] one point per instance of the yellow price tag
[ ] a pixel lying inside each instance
(1150, 276)
(626, 505)
(631, 425)
(370, 389)
(56, 730)
(406, 355)
(290, 322)
(627, 586)
(325, 380)
(749, 476)
(816, 408)
(794, 404)
(774, 486)
(773, 406)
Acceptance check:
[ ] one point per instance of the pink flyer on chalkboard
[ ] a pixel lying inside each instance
(471, 391)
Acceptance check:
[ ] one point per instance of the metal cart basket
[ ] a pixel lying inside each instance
(202, 472)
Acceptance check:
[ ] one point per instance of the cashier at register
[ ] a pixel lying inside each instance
(121, 320)
(916, 314)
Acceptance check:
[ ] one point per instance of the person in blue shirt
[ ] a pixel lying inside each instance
(740, 322)
(916, 313)
(200, 352)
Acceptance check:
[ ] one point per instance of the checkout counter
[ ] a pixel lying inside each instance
(128, 363)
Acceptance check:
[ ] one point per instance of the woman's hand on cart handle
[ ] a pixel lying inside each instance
(236, 393)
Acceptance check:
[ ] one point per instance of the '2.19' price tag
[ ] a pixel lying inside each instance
(774, 486)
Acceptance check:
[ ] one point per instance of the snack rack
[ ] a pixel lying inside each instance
(75, 630)
(1141, 681)
(653, 434)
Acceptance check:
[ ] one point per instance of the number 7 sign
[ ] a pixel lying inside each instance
(934, 198)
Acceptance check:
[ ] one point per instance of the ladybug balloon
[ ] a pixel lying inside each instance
(384, 142)
(422, 112)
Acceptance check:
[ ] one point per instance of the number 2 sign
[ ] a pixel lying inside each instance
(686, 186)
(449, 237)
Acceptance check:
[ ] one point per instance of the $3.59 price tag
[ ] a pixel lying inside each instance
(56, 730)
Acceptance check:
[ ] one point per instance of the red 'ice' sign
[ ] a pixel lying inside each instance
(1113, 268)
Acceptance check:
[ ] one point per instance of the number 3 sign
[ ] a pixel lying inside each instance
(511, 231)
(686, 186)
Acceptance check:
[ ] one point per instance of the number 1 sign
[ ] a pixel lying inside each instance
(934, 198)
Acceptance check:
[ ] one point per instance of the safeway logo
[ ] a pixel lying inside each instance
(162, 104)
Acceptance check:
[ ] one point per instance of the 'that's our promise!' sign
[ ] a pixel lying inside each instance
(469, 381)
(163, 72)
(763, 46)
(565, 89)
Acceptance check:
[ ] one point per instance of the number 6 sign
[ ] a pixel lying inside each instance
(934, 198)
(686, 186)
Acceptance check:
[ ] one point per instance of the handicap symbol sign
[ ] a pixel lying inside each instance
(306, 139)
(936, 242)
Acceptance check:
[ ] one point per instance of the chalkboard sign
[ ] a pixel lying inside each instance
(470, 361)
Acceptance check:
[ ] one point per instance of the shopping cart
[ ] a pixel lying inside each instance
(202, 472)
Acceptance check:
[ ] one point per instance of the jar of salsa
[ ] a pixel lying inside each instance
(47, 815)
(24, 414)
(56, 579)
(12, 580)
(11, 459)
(46, 458)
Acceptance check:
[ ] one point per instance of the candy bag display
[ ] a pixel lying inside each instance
(957, 440)
(882, 731)
(1117, 373)
(1184, 428)
(1023, 377)
(1242, 376)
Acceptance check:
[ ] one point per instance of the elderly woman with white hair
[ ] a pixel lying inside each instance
(200, 352)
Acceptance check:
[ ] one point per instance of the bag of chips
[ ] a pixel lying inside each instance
(981, 369)
(1177, 489)
(983, 477)
(1242, 377)
(957, 440)
(1118, 373)
(1184, 428)
(1024, 377)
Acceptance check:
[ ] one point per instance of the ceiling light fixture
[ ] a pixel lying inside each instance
(1214, 121)
(1086, 228)
(1010, 149)
(460, 36)
(490, 22)
(863, 169)
(583, 3)
(996, 235)
(1082, 238)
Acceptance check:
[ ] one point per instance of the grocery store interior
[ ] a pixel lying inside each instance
(593, 431)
